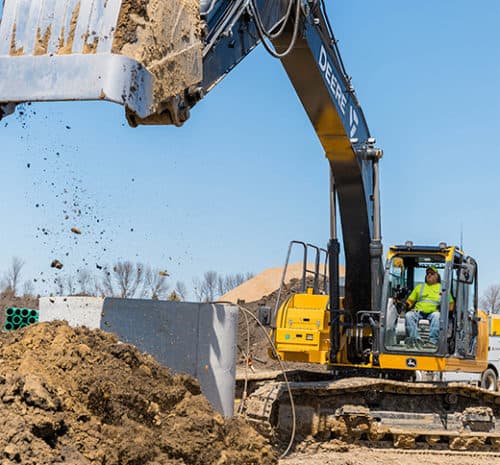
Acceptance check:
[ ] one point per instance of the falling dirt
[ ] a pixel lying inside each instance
(56, 264)
(73, 395)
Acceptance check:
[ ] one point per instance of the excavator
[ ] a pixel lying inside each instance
(159, 59)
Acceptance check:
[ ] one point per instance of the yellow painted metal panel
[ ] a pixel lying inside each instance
(294, 336)
(399, 362)
(467, 366)
(494, 325)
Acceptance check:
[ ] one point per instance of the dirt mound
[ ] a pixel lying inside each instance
(79, 396)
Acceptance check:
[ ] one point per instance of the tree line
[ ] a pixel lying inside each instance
(125, 279)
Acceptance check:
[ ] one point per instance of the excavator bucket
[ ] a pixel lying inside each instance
(143, 54)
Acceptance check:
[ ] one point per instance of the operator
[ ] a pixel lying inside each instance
(425, 298)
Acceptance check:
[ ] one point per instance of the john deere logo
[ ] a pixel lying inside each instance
(353, 121)
(411, 363)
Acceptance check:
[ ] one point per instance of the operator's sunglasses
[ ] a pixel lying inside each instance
(430, 272)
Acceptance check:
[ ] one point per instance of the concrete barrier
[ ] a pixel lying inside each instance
(198, 339)
(77, 311)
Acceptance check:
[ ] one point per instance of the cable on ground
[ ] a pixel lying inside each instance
(247, 312)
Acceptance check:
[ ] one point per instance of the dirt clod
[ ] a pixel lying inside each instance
(56, 264)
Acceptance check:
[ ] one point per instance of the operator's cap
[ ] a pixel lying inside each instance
(431, 268)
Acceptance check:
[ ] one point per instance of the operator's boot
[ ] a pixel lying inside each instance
(414, 343)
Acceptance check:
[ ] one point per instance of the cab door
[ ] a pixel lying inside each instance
(463, 340)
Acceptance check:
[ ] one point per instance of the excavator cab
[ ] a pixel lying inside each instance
(457, 315)
(302, 326)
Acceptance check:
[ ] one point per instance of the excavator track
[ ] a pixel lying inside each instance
(379, 413)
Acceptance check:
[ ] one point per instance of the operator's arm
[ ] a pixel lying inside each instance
(412, 298)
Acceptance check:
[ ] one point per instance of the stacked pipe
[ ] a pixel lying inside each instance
(16, 318)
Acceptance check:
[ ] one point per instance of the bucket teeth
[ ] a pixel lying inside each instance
(143, 54)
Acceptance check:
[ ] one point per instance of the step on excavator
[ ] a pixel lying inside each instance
(382, 383)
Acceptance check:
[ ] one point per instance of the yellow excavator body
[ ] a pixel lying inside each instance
(302, 334)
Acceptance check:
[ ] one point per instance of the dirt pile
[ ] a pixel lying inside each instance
(79, 396)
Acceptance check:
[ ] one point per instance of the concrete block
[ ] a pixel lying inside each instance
(77, 311)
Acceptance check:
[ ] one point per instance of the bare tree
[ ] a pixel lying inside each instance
(13, 275)
(86, 282)
(107, 283)
(229, 282)
(129, 277)
(206, 289)
(65, 285)
(58, 281)
(28, 288)
(4, 287)
(221, 285)
(155, 283)
(197, 289)
(70, 285)
(490, 300)
(123, 280)
(181, 290)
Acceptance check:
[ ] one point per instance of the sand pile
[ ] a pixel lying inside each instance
(266, 282)
(79, 396)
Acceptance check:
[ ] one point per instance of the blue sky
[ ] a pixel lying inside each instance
(246, 174)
